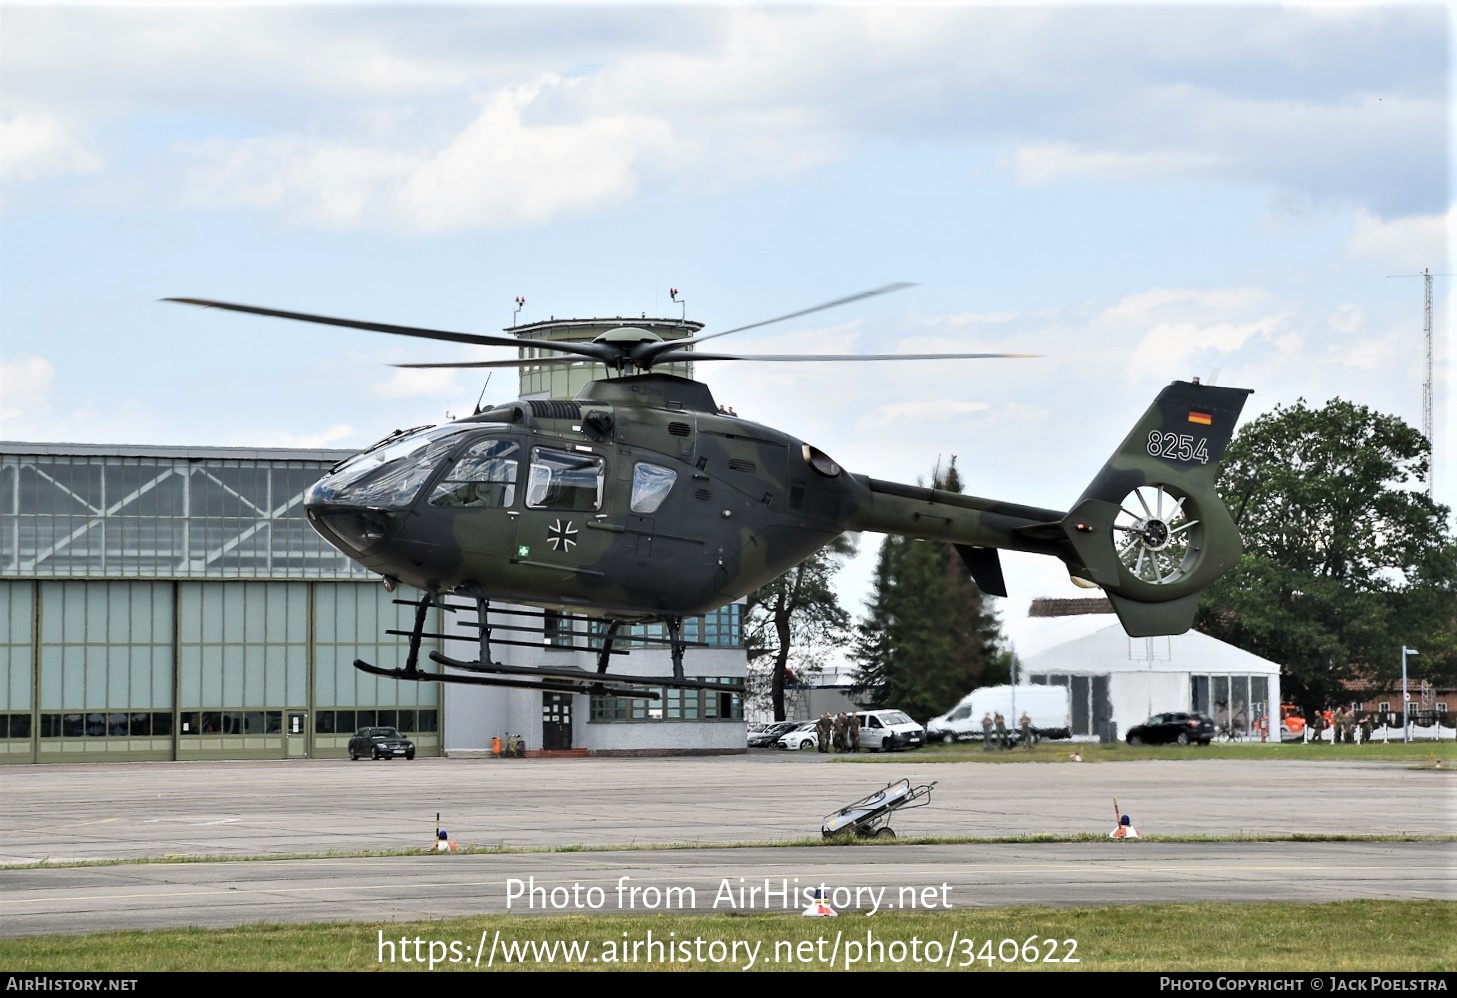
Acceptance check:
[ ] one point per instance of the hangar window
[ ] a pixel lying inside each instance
(673, 705)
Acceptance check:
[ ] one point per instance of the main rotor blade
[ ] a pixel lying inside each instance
(517, 362)
(817, 357)
(651, 353)
(592, 350)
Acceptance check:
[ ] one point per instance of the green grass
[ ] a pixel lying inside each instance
(1410, 936)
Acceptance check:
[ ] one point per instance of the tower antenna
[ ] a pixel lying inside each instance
(1426, 275)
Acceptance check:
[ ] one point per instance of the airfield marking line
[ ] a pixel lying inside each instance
(236, 891)
(75, 824)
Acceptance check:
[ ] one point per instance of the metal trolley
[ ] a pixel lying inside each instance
(870, 816)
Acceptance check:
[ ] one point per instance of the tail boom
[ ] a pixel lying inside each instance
(1150, 529)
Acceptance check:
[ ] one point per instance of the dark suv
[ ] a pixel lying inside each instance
(1180, 728)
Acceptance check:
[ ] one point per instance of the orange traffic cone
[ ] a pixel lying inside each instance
(1125, 829)
(820, 909)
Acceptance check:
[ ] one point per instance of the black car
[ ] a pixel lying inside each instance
(380, 743)
(769, 737)
(1180, 728)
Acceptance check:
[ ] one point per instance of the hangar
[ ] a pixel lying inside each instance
(172, 603)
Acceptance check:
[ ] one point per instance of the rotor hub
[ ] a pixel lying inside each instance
(1155, 534)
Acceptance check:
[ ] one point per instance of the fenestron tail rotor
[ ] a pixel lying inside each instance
(1156, 538)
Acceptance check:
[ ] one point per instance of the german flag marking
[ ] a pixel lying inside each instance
(1202, 418)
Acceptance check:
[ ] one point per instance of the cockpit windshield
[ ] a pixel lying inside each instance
(389, 475)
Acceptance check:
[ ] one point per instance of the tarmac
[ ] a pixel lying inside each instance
(160, 811)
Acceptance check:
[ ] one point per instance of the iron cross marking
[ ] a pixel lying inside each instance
(561, 538)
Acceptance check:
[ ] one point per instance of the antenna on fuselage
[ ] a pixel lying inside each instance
(483, 392)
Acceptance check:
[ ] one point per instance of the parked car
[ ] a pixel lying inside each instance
(888, 730)
(380, 743)
(769, 735)
(801, 739)
(1179, 728)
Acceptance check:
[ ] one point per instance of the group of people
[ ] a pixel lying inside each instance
(840, 732)
(1343, 724)
(995, 726)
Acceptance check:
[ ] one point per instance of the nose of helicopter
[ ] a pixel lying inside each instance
(356, 505)
(356, 532)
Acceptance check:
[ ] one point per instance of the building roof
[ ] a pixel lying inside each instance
(330, 455)
(1088, 642)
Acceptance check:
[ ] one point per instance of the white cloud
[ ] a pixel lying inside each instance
(1408, 244)
(342, 116)
(1184, 330)
(960, 319)
(502, 171)
(418, 382)
(325, 182)
(1372, 353)
(1187, 346)
(1049, 163)
(331, 436)
(25, 387)
(1346, 318)
(924, 410)
(499, 171)
(35, 144)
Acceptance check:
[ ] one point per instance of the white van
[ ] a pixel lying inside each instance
(1049, 708)
(888, 730)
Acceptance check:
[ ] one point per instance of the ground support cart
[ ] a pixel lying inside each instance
(870, 817)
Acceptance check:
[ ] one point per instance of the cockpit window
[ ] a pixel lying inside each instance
(485, 475)
(390, 476)
(563, 480)
(650, 486)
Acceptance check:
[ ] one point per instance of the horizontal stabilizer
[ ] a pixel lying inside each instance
(985, 566)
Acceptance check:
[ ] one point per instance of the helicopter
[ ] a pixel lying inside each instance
(642, 500)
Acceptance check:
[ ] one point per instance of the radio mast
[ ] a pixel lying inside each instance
(1426, 275)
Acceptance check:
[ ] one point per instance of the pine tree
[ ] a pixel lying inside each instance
(931, 635)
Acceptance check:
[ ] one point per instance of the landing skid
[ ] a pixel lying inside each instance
(555, 679)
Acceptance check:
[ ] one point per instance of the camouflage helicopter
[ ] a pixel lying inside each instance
(643, 501)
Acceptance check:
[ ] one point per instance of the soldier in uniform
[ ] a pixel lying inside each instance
(840, 731)
(822, 732)
(852, 728)
(986, 732)
(1001, 723)
(1025, 723)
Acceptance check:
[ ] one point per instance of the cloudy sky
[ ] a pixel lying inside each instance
(1137, 193)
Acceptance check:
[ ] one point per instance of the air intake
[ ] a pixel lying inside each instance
(554, 409)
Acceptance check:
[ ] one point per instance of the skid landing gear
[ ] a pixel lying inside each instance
(600, 634)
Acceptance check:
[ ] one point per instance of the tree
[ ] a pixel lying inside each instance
(930, 636)
(797, 619)
(1346, 558)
